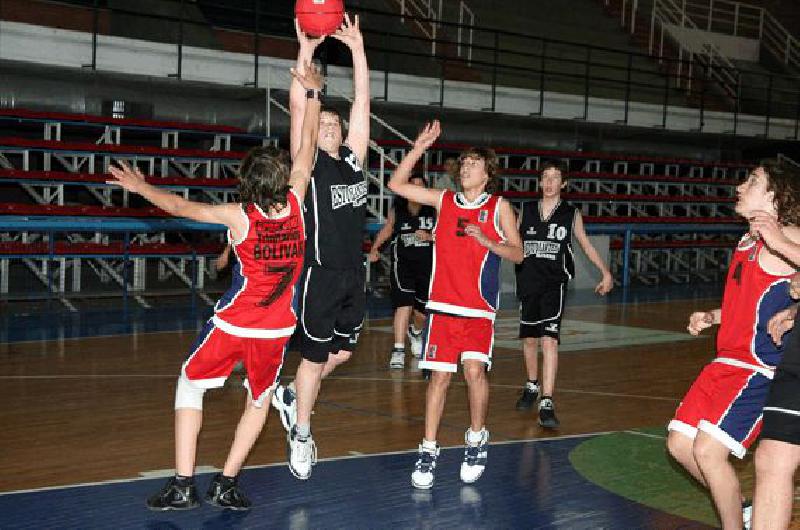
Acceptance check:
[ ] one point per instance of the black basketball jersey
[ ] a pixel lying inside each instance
(547, 247)
(335, 211)
(405, 244)
(791, 355)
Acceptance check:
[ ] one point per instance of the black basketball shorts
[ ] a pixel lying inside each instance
(782, 410)
(330, 313)
(410, 282)
(540, 313)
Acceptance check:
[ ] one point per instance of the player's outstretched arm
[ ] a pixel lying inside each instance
(358, 129)
(382, 237)
(133, 181)
(607, 283)
(511, 248)
(297, 94)
(303, 161)
(399, 183)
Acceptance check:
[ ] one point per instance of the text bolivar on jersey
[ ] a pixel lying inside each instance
(287, 242)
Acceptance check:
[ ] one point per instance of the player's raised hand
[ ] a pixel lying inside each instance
(130, 179)
(766, 226)
(605, 285)
(699, 321)
(307, 43)
(429, 134)
(780, 323)
(311, 78)
(350, 33)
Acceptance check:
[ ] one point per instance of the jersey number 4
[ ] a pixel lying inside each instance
(286, 273)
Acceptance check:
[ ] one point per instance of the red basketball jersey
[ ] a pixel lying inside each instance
(465, 279)
(269, 260)
(752, 296)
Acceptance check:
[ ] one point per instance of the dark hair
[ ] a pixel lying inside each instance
(489, 158)
(558, 165)
(264, 177)
(784, 180)
(400, 204)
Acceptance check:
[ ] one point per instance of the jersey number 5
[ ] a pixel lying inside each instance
(286, 274)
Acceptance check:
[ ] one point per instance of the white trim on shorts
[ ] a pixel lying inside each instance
(737, 449)
(437, 366)
(781, 410)
(252, 333)
(683, 428)
(459, 311)
(560, 309)
(303, 312)
(477, 356)
(766, 372)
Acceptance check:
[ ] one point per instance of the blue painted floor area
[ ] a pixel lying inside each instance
(51, 321)
(525, 485)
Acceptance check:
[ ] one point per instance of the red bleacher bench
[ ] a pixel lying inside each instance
(64, 176)
(112, 249)
(141, 150)
(79, 211)
(127, 122)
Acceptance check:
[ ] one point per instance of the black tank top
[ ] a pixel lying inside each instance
(335, 211)
(405, 244)
(547, 247)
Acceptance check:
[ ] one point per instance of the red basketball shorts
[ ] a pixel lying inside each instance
(726, 401)
(449, 339)
(215, 353)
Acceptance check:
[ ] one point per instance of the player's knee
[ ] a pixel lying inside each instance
(440, 379)
(474, 372)
(187, 395)
(706, 450)
(771, 463)
(678, 445)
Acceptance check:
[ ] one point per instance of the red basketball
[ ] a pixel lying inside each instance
(319, 17)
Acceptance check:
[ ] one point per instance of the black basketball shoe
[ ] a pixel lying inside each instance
(547, 413)
(175, 495)
(225, 493)
(528, 397)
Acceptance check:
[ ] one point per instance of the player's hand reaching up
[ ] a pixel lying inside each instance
(699, 321)
(429, 134)
(130, 179)
(311, 78)
(767, 227)
(605, 285)
(780, 323)
(350, 33)
(307, 43)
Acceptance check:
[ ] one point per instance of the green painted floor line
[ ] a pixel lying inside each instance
(635, 465)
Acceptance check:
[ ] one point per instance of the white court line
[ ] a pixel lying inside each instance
(333, 377)
(87, 376)
(646, 434)
(330, 459)
(108, 336)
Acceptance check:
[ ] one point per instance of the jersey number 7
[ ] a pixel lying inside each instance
(287, 273)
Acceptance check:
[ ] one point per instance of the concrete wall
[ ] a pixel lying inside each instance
(740, 48)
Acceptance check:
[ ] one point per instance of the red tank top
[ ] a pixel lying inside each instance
(752, 296)
(269, 260)
(465, 279)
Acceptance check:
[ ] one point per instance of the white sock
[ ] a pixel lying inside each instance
(428, 445)
(475, 437)
(399, 345)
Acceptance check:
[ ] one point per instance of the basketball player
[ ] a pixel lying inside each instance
(333, 298)
(409, 226)
(254, 319)
(546, 228)
(721, 412)
(474, 230)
